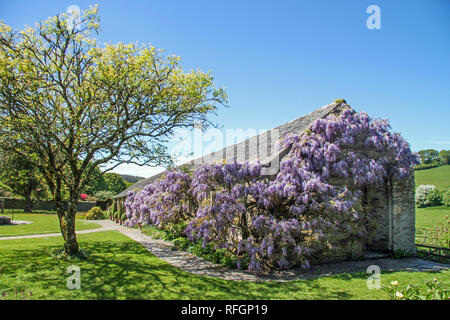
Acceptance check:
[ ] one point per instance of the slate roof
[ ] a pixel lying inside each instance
(261, 147)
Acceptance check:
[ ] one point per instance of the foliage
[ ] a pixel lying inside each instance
(153, 232)
(131, 179)
(424, 166)
(441, 232)
(400, 254)
(444, 156)
(22, 178)
(104, 195)
(16, 294)
(422, 192)
(96, 213)
(435, 291)
(78, 105)
(428, 156)
(105, 185)
(434, 197)
(340, 101)
(286, 221)
(447, 198)
(5, 190)
(431, 158)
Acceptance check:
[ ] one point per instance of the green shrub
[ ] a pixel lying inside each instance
(5, 191)
(104, 195)
(340, 101)
(152, 232)
(400, 254)
(174, 230)
(434, 197)
(123, 217)
(181, 243)
(435, 291)
(421, 194)
(447, 198)
(96, 213)
(424, 166)
(220, 256)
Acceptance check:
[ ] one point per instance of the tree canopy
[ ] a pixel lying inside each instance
(76, 105)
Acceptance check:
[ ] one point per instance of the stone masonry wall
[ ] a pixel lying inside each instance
(403, 217)
(380, 206)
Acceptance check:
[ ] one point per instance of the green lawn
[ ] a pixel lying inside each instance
(440, 177)
(429, 217)
(42, 223)
(119, 268)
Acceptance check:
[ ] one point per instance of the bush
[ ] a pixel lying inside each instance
(435, 291)
(123, 217)
(421, 194)
(425, 166)
(104, 195)
(181, 243)
(447, 198)
(96, 213)
(175, 230)
(216, 255)
(434, 197)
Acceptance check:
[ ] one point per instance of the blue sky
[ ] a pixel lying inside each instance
(279, 60)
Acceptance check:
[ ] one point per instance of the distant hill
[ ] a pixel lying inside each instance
(131, 179)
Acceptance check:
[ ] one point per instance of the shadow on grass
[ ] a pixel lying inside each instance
(125, 270)
(119, 268)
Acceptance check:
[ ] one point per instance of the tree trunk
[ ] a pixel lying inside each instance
(67, 224)
(28, 204)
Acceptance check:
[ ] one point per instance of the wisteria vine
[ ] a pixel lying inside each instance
(318, 200)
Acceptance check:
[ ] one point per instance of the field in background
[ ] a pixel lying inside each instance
(440, 177)
(430, 217)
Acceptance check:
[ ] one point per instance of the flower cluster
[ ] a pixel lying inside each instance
(164, 201)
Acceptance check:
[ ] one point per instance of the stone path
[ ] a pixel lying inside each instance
(193, 264)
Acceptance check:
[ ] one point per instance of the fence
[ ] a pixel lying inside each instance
(433, 244)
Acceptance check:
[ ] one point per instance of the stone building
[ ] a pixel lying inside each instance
(392, 204)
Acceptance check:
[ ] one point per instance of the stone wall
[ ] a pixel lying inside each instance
(19, 204)
(403, 217)
(394, 210)
(380, 204)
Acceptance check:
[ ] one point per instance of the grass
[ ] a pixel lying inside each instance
(42, 223)
(429, 217)
(119, 268)
(440, 177)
